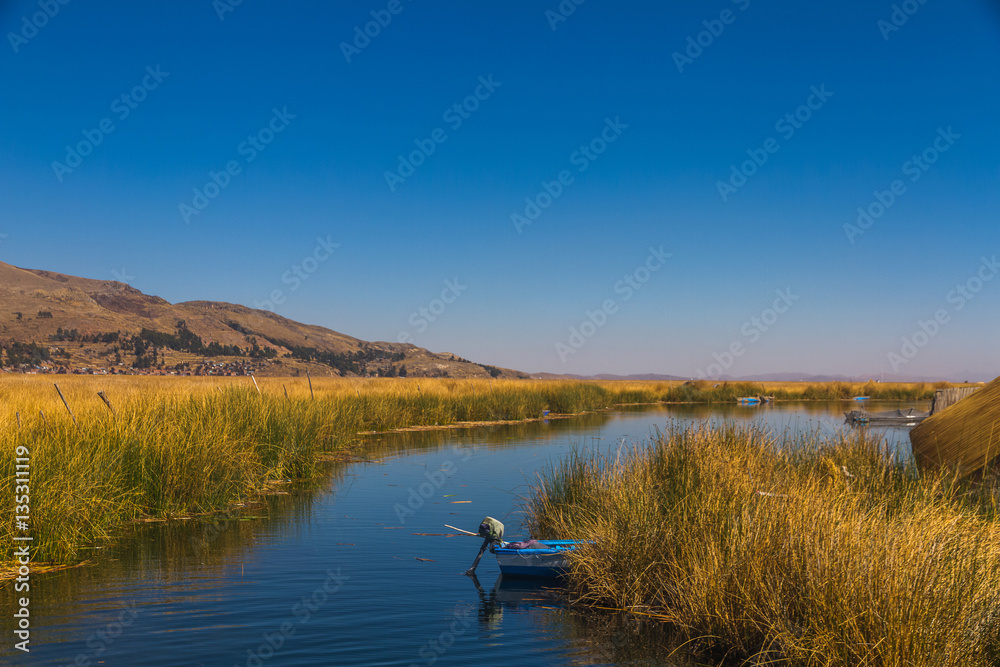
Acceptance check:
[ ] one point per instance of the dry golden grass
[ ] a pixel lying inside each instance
(29, 393)
(785, 552)
(187, 445)
(181, 446)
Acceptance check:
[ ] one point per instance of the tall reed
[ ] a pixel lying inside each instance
(777, 551)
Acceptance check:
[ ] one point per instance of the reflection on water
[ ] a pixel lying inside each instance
(597, 637)
(255, 585)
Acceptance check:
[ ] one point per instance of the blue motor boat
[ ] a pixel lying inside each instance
(545, 558)
(531, 558)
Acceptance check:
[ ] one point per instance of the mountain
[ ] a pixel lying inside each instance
(53, 320)
(637, 377)
(964, 376)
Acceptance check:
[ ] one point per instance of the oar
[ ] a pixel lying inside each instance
(462, 531)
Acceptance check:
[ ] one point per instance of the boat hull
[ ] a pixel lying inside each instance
(549, 562)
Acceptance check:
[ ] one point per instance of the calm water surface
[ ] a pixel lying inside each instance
(346, 573)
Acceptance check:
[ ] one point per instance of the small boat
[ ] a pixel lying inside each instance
(545, 558)
(907, 417)
(531, 558)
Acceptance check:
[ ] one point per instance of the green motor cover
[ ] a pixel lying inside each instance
(491, 529)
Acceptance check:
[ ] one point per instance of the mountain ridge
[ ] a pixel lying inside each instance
(85, 323)
(763, 377)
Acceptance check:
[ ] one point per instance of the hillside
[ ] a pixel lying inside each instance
(50, 321)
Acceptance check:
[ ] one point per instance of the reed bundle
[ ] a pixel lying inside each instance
(964, 436)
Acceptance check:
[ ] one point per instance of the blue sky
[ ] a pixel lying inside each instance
(356, 189)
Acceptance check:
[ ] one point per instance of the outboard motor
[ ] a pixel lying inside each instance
(491, 529)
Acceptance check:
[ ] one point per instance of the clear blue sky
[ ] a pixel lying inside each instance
(329, 121)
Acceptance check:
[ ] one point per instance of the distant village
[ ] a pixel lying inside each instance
(183, 353)
(232, 368)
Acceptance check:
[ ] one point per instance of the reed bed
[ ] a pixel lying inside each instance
(765, 550)
(177, 446)
(170, 447)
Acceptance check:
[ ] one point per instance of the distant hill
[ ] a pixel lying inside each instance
(770, 377)
(51, 320)
(655, 377)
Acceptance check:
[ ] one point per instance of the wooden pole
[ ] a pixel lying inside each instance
(107, 402)
(66, 404)
(311, 394)
(462, 531)
(18, 415)
(255, 384)
(286, 393)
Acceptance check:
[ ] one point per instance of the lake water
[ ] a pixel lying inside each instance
(349, 572)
